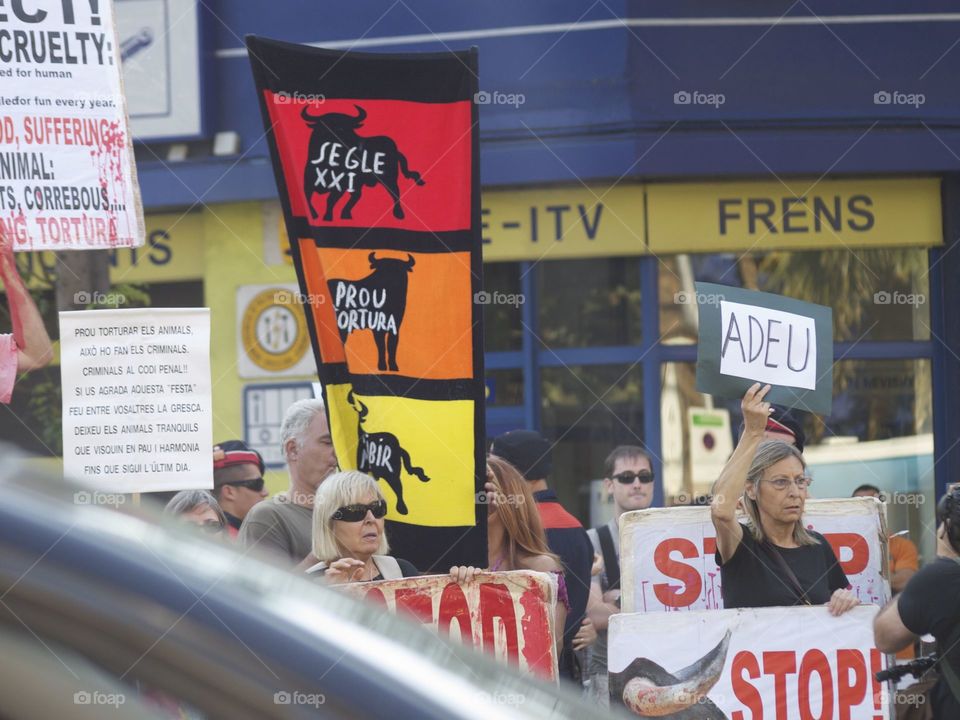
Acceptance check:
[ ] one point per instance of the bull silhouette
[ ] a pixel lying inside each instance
(342, 162)
(380, 455)
(376, 302)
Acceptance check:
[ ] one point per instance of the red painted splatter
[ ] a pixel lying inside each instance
(535, 628)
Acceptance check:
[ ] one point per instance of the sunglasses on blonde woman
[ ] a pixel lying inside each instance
(357, 512)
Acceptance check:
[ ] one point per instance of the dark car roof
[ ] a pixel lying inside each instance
(223, 631)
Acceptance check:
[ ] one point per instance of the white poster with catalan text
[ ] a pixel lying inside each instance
(783, 663)
(67, 174)
(137, 398)
(667, 554)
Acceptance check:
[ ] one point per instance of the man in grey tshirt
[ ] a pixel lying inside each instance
(628, 478)
(283, 524)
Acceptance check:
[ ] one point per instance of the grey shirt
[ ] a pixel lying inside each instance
(598, 652)
(280, 528)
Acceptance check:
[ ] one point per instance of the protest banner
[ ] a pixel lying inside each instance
(67, 174)
(748, 336)
(137, 406)
(667, 554)
(507, 614)
(375, 158)
(784, 663)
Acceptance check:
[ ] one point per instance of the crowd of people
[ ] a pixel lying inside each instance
(329, 525)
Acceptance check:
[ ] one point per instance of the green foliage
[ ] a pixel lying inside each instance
(44, 408)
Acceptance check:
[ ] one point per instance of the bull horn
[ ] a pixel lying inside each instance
(410, 261)
(372, 257)
(350, 397)
(361, 115)
(305, 114)
(647, 699)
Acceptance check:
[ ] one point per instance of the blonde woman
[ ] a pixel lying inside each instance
(773, 560)
(348, 532)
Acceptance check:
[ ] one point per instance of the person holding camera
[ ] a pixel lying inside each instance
(929, 605)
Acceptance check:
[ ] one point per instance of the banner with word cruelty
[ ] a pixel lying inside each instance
(784, 663)
(748, 336)
(67, 174)
(376, 161)
(509, 615)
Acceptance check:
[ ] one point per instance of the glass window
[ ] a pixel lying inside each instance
(585, 303)
(502, 326)
(880, 294)
(879, 433)
(587, 411)
(505, 387)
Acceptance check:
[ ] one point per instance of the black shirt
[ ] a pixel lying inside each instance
(930, 603)
(569, 541)
(751, 578)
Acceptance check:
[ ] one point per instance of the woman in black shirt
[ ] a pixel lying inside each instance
(774, 560)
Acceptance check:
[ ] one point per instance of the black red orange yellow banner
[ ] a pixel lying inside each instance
(376, 160)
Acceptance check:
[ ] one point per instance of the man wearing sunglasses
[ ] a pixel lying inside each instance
(237, 481)
(629, 481)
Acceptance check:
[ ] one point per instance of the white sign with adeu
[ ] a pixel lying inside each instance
(770, 346)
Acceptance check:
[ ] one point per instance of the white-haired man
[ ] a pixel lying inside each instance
(283, 525)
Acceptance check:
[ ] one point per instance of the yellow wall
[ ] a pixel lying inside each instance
(234, 256)
(224, 246)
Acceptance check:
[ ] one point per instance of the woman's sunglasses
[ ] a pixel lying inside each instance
(356, 513)
(627, 477)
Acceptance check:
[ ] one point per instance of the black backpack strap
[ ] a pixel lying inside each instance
(611, 562)
(790, 576)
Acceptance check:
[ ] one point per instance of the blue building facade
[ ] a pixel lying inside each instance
(658, 113)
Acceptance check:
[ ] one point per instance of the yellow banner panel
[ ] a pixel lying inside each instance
(558, 223)
(410, 440)
(795, 214)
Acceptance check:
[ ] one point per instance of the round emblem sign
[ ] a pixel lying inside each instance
(275, 330)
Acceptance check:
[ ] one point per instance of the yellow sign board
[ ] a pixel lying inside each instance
(794, 214)
(563, 223)
(173, 251)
